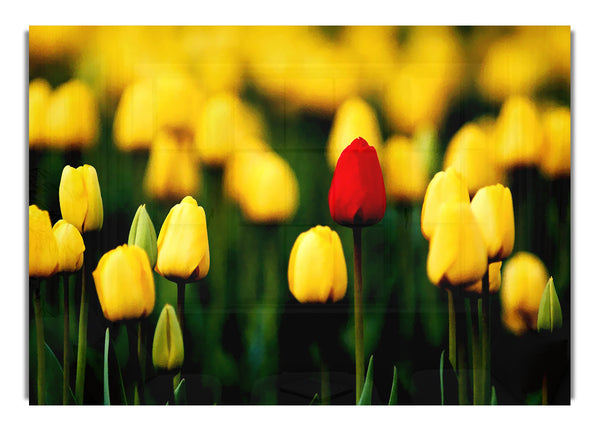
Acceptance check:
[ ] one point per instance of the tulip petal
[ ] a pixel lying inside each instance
(43, 249)
(70, 246)
(340, 272)
(313, 273)
(73, 197)
(95, 212)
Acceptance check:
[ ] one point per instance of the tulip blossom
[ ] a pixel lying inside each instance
(183, 253)
(70, 246)
(167, 346)
(39, 97)
(405, 169)
(43, 250)
(555, 160)
(135, 123)
(124, 283)
(80, 199)
(317, 268)
(357, 192)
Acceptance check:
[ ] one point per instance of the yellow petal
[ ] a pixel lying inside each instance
(43, 250)
(95, 213)
(313, 271)
(70, 246)
(73, 197)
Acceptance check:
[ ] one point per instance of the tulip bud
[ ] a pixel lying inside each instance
(357, 192)
(124, 283)
(405, 169)
(183, 243)
(549, 313)
(556, 157)
(445, 186)
(269, 194)
(80, 199)
(167, 347)
(494, 280)
(72, 116)
(135, 123)
(518, 134)
(470, 152)
(43, 250)
(354, 117)
(39, 97)
(143, 235)
(523, 281)
(493, 209)
(457, 254)
(70, 246)
(317, 268)
(172, 171)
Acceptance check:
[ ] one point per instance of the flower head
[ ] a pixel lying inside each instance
(80, 198)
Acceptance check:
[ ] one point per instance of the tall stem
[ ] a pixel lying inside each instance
(478, 397)
(180, 302)
(359, 348)
(451, 331)
(485, 338)
(66, 344)
(41, 354)
(81, 340)
(461, 346)
(139, 384)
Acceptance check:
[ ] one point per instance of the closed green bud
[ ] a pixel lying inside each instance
(167, 347)
(549, 313)
(143, 235)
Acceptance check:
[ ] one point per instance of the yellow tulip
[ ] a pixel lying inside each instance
(556, 157)
(269, 194)
(354, 118)
(518, 134)
(240, 164)
(523, 281)
(124, 283)
(39, 97)
(183, 253)
(493, 209)
(167, 346)
(457, 255)
(445, 186)
(471, 153)
(224, 121)
(135, 123)
(52, 43)
(43, 250)
(70, 246)
(80, 199)
(173, 170)
(494, 280)
(72, 117)
(317, 267)
(404, 169)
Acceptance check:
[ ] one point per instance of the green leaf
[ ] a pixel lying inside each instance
(54, 378)
(106, 388)
(365, 397)
(179, 393)
(314, 400)
(442, 376)
(494, 399)
(394, 391)
(549, 313)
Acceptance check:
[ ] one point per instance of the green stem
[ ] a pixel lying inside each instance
(476, 348)
(81, 341)
(359, 348)
(139, 387)
(66, 344)
(451, 331)
(180, 302)
(461, 346)
(41, 354)
(485, 338)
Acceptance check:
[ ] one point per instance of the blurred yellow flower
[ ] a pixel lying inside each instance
(43, 250)
(239, 165)
(354, 118)
(523, 282)
(555, 159)
(269, 193)
(494, 280)
(51, 43)
(173, 170)
(457, 255)
(225, 121)
(183, 253)
(39, 98)
(471, 153)
(493, 209)
(72, 116)
(405, 169)
(124, 283)
(80, 198)
(167, 346)
(135, 123)
(70, 246)
(445, 186)
(317, 267)
(518, 134)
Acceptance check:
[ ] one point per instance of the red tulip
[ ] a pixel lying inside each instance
(357, 193)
